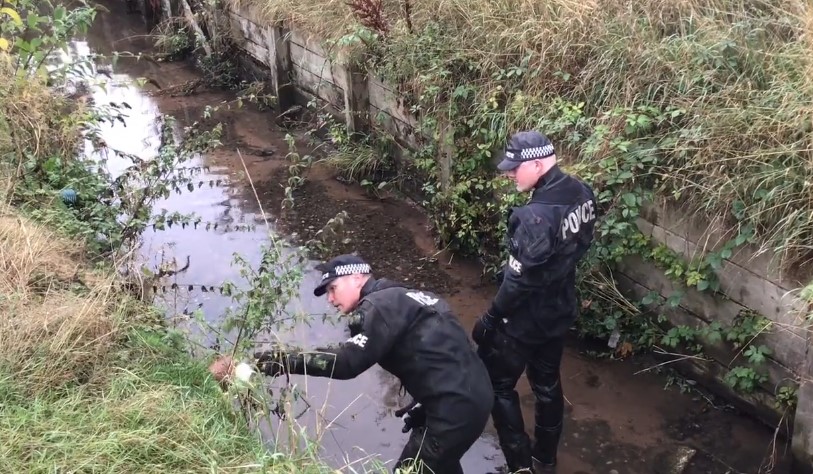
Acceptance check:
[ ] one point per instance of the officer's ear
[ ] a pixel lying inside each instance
(359, 280)
(539, 165)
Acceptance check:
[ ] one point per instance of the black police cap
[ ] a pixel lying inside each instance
(338, 267)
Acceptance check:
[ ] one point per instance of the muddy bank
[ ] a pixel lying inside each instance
(618, 420)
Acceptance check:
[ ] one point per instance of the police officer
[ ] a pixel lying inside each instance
(415, 336)
(524, 327)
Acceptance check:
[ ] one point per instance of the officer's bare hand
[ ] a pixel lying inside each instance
(222, 369)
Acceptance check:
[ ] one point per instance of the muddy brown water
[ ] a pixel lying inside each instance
(618, 419)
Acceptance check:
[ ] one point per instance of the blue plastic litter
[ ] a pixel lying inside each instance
(69, 196)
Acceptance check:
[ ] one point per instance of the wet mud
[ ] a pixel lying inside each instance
(619, 418)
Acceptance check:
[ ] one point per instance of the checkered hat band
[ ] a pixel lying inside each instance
(537, 152)
(350, 269)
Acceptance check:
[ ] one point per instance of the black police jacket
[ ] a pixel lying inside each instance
(415, 336)
(546, 238)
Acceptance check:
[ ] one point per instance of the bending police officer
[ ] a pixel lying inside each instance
(415, 336)
(524, 327)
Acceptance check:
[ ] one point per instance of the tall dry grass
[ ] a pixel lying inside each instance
(50, 335)
(88, 382)
(30, 252)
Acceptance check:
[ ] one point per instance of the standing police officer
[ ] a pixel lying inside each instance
(415, 336)
(536, 304)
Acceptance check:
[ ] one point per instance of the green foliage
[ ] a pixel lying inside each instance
(173, 40)
(220, 70)
(110, 213)
(39, 28)
(718, 66)
(152, 410)
(213, 54)
(787, 397)
(107, 213)
(744, 379)
(299, 164)
(366, 159)
(747, 326)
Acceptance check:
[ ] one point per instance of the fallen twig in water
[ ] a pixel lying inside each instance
(680, 357)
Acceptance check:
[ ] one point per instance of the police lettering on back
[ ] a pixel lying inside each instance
(422, 298)
(584, 214)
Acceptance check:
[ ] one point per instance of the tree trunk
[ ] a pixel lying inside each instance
(190, 18)
(166, 11)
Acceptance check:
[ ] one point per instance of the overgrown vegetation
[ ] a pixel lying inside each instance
(91, 378)
(201, 34)
(702, 104)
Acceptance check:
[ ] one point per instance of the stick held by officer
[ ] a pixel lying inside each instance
(525, 325)
(414, 335)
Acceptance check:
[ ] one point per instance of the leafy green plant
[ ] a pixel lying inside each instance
(744, 379)
(787, 398)
(747, 326)
(299, 164)
(173, 40)
(32, 37)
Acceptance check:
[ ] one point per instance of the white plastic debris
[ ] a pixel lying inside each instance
(614, 337)
(243, 372)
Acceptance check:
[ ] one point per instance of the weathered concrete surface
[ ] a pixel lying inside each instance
(802, 444)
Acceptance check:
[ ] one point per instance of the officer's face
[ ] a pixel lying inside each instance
(525, 175)
(344, 293)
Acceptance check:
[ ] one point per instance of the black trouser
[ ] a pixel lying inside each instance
(433, 452)
(506, 359)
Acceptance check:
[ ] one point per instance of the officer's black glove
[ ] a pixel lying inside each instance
(414, 416)
(271, 363)
(499, 276)
(484, 329)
